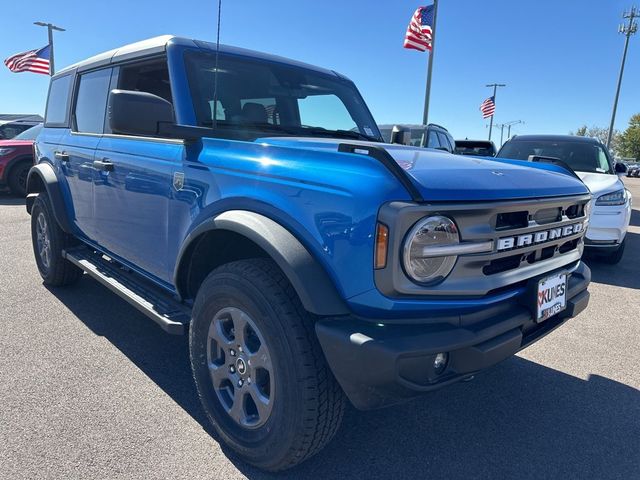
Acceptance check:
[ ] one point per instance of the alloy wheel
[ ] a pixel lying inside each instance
(43, 240)
(240, 367)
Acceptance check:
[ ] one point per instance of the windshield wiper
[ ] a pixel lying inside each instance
(339, 133)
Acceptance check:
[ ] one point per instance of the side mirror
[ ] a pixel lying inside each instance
(137, 113)
(620, 168)
(401, 135)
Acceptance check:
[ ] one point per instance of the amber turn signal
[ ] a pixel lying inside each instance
(382, 242)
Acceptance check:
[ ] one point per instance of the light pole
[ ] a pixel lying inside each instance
(627, 30)
(427, 95)
(495, 89)
(509, 124)
(50, 28)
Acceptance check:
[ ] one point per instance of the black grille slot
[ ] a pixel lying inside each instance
(512, 220)
(575, 211)
(548, 215)
(502, 265)
(547, 253)
(568, 246)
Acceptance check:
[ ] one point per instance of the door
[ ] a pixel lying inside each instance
(134, 181)
(77, 146)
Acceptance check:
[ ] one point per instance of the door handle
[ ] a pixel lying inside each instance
(62, 156)
(105, 165)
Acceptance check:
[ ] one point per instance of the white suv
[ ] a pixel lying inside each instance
(589, 159)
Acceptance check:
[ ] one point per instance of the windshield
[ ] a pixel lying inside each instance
(257, 98)
(30, 134)
(580, 156)
(481, 149)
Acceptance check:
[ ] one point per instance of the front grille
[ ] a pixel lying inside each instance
(524, 235)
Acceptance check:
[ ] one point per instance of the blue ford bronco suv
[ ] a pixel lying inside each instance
(250, 201)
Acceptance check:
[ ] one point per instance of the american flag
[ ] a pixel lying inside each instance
(488, 107)
(419, 34)
(36, 61)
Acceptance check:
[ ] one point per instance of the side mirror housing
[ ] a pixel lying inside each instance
(401, 135)
(620, 168)
(137, 113)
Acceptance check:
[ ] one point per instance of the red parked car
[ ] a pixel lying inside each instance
(16, 158)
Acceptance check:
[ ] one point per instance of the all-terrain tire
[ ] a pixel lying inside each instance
(308, 404)
(49, 240)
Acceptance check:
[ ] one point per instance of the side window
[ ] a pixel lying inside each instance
(444, 141)
(58, 102)
(432, 140)
(151, 76)
(91, 101)
(325, 111)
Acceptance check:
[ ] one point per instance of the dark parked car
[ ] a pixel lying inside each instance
(478, 148)
(12, 125)
(16, 158)
(433, 136)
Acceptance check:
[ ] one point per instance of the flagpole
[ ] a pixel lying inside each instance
(495, 89)
(50, 28)
(425, 115)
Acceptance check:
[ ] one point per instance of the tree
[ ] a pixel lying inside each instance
(630, 139)
(601, 134)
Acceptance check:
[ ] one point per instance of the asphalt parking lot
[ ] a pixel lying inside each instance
(89, 388)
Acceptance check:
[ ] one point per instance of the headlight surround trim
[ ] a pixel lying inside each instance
(432, 230)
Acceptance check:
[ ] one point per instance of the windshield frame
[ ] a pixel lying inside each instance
(543, 143)
(251, 131)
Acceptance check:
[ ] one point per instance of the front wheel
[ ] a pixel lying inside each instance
(258, 367)
(18, 178)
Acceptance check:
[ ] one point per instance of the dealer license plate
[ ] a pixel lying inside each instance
(552, 296)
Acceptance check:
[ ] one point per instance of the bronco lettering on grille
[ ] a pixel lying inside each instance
(519, 241)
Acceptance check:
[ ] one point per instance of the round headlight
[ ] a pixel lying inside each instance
(420, 262)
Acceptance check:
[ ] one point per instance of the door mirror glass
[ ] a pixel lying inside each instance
(138, 113)
(620, 168)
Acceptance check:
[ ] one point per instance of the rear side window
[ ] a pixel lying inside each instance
(91, 101)
(58, 102)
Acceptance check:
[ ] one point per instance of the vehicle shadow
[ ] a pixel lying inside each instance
(625, 273)
(518, 420)
(6, 198)
(635, 218)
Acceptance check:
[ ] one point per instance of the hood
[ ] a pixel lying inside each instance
(441, 176)
(600, 183)
(16, 143)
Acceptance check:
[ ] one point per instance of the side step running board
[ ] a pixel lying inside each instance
(171, 315)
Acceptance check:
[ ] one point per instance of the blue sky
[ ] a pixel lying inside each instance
(560, 58)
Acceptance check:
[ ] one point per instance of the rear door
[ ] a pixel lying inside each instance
(76, 148)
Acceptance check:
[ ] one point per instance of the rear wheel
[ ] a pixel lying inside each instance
(48, 241)
(258, 367)
(18, 178)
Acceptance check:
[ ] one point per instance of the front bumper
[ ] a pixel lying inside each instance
(381, 364)
(608, 226)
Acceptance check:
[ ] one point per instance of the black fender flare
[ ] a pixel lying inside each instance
(43, 174)
(309, 279)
